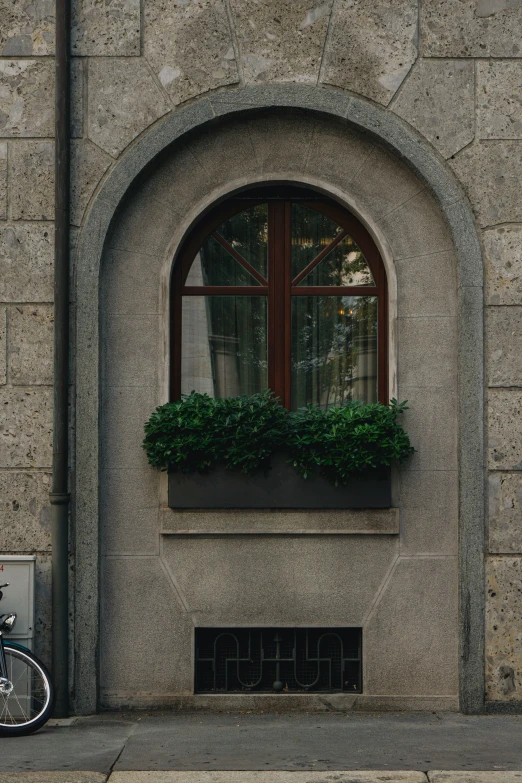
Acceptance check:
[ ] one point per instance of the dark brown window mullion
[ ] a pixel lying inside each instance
(287, 294)
(276, 298)
(175, 316)
(382, 332)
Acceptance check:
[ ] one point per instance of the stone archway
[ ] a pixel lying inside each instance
(355, 128)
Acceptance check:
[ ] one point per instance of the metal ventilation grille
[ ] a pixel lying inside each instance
(267, 660)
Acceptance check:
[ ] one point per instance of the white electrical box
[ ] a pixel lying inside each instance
(18, 570)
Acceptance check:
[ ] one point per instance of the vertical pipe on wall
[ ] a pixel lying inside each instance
(59, 496)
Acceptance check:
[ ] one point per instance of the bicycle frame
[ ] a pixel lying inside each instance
(3, 663)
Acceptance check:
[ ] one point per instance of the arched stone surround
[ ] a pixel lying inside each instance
(339, 155)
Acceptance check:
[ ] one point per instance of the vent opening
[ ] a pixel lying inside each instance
(268, 660)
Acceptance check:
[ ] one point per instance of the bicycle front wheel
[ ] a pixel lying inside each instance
(27, 698)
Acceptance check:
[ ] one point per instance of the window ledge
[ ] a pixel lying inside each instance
(269, 522)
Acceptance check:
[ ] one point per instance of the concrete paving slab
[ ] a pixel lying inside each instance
(311, 743)
(436, 776)
(327, 741)
(52, 777)
(368, 776)
(91, 745)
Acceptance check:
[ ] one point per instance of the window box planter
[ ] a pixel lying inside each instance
(282, 487)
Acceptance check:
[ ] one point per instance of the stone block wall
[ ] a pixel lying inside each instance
(26, 291)
(450, 68)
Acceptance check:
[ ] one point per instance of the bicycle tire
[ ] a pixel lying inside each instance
(14, 725)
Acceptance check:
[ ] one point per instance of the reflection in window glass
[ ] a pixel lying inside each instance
(334, 350)
(247, 234)
(224, 345)
(312, 232)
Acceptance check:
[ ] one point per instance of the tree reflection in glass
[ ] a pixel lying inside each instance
(334, 350)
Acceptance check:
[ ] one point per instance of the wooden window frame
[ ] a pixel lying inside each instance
(279, 287)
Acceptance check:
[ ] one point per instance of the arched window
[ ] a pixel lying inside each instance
(280, 288)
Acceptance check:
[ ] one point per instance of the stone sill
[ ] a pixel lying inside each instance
(269, 522)
(294, 702)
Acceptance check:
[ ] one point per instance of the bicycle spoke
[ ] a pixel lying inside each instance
(21, 708)
(29, 696)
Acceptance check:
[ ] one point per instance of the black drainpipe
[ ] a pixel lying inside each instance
(59, 496)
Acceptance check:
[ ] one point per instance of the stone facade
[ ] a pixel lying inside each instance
(450, 69)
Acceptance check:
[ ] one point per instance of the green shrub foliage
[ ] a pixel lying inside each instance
(198, 432)
(353, 440)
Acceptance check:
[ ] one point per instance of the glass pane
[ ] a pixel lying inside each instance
(247, 233)
(312, 232)
(224, 345)
(334, 350)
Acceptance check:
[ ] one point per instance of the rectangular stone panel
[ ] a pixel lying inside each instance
(125, 411)
(31, 180)
(434, 337)
(110, 27)
(27, 28)
(189, 46)
(439, 100)
(503, 256)
(26, 427)
(431, 423)
(129, 509)
(471, 28)
(30, 347)
(505, 512)
(131, 349)
(427, 285)
(411, 639)
(115, 116)
(26, 513)
(505, 429)
(26, 262)
(27, 98)
(268, 580)
(499, 92)
(3, 345)
(295, 137)
(131, 283)
(281, 40)
(482, 168)
(232, 146)
(429, 512)
(504, 629)
(3, 180)
(416, 228)
(504, 346)
(371, 46)
(343, 154)
(129, 584)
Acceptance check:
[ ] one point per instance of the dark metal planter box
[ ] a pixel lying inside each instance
(282, 487)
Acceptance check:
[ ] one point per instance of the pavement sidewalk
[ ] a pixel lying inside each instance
(253, 747)
(365, 776)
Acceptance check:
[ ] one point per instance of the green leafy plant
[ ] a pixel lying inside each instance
(352, 440)
(198, 432)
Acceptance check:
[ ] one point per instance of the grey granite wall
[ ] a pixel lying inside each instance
(450, 68)
(212, 569)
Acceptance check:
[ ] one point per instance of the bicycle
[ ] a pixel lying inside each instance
(26, 690)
